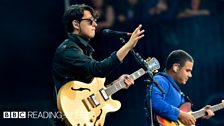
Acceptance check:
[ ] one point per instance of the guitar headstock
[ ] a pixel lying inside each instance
(152, 64)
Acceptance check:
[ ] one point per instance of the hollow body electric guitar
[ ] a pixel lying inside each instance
(186, 107)
(87, 104)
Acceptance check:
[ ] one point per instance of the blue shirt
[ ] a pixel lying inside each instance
(165, 105)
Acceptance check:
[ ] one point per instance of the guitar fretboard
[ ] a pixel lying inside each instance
(116, 86)
(200, 113)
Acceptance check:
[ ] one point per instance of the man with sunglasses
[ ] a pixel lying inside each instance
(73, 58)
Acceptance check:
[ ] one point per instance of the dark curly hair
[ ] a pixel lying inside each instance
(75, 12)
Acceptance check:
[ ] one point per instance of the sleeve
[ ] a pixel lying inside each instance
(76, 60)
(159, 105)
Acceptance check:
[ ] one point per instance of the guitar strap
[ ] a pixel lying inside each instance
(176, 87)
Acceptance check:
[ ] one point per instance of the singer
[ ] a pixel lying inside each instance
(179, 65)
(73, 58)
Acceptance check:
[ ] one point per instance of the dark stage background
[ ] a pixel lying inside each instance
(30, 31)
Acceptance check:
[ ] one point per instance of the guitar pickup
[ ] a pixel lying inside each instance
(93, 99)
(86, 104)
(104, 94)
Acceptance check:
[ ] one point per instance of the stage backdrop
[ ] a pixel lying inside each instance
(31, 31)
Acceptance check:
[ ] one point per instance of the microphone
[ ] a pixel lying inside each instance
(109, 32)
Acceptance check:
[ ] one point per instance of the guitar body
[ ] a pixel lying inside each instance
(164, 122)
(186, 107)
(83, 104)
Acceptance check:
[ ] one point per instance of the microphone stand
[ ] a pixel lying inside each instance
(144, 65)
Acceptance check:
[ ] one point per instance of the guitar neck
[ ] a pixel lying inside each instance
(200, 113)
(116, 86)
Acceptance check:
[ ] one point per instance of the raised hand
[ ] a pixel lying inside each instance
(136, 35)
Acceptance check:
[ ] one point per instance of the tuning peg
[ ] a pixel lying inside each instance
(155, 71)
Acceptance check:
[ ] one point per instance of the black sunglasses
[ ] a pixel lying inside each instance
(90, 20)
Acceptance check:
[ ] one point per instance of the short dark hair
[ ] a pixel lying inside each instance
(75, 12)
(178, 56)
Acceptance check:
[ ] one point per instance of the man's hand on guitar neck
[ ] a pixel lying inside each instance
(208, 111)
(186, 118)
(127, 80)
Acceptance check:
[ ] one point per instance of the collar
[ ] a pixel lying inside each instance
(176, 86)
(81, 41)
(168, 77)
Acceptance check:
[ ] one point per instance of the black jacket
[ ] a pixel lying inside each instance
(73, 61)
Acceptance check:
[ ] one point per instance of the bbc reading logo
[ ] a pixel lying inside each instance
(31, 115)
(14, 114)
